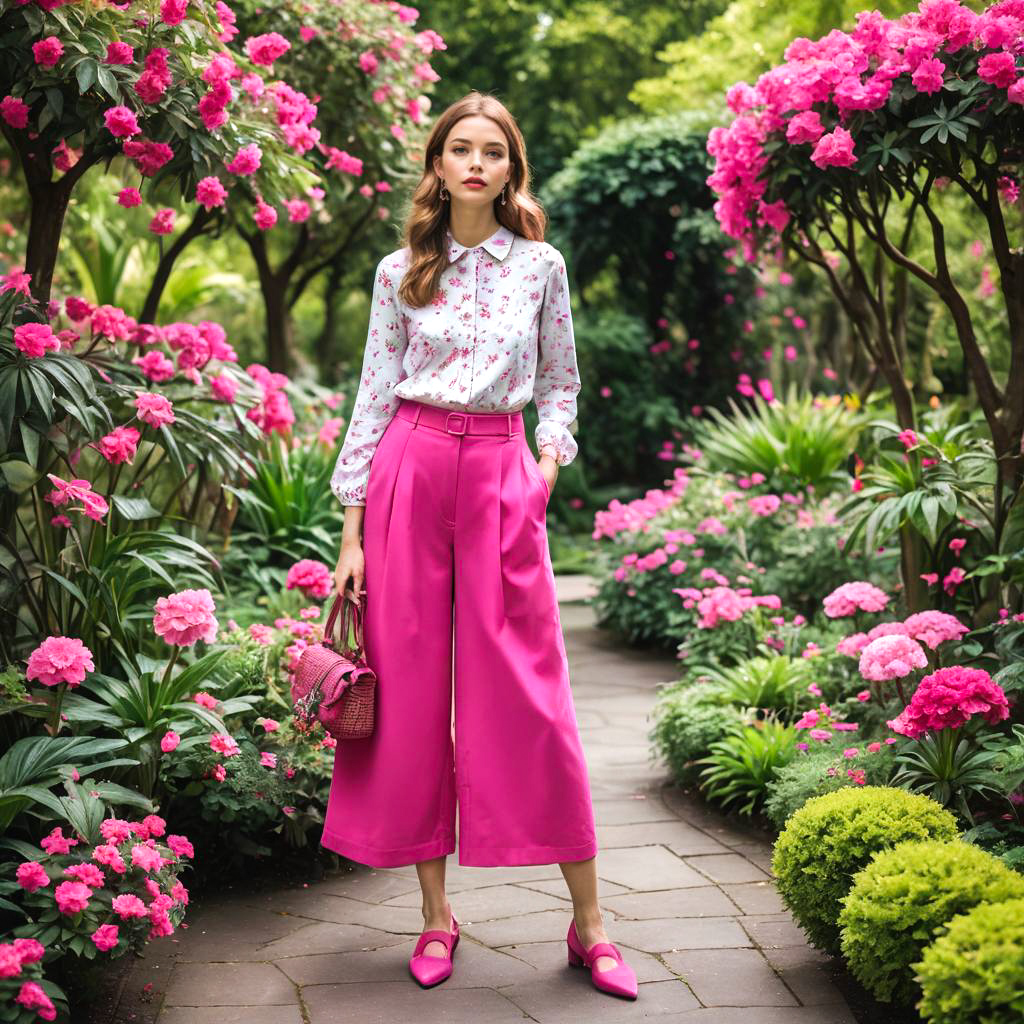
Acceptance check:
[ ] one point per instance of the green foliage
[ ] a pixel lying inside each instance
(820, 771)
(795, 443)
(898, 903)
(687, 720)
(975, 970)
(827, 841)
(740, 766)
(770, 682)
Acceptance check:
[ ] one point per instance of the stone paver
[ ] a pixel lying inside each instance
(686, 894)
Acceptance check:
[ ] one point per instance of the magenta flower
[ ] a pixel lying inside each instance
(834, 150)
(108, 854)
(72, 897)
(310, 576)
(105, 937)
(154, 409)
(146, 857)
(86, 873)
(210, 192)
(852, 597)
(119, 445)
(169, 741)
(180, 846)
(35, 340)
(32, 875)
(115, 830)
(948, 699)
(224, 744)
(47, 51)
(60, 659)
(853, 644)
(891, 657)
(14, 111)
(32, 997)
(121, 122)
(128, 905)
(246, 160)
(185, 617)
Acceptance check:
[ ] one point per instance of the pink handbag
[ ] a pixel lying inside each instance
(337, 687)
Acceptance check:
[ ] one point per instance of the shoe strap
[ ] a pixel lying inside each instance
(603, 949)
(434, 935)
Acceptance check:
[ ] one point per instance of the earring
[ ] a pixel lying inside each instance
(443, 195)
(502, 195)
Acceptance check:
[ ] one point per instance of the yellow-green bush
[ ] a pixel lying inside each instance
(975, 971)
(900, 901)
(827, 841)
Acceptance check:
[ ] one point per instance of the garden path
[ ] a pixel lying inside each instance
(686, 895)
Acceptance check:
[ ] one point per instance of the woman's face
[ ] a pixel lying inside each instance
(475, 148)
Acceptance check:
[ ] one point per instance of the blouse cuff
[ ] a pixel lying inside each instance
(550, 434)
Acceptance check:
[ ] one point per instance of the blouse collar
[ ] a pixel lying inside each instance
(498, 245)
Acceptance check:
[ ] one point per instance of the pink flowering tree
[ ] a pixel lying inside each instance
(366, 67)
(81, 85)
(840, 155)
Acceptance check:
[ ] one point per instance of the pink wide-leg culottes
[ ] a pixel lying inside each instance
(458, 576)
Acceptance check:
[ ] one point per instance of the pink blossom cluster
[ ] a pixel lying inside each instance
(185, 617)
(891, 657)
(854, 597)
(723, 604)
(634, 516)
(60, 659)
(310, 576)
(931, 628)
(77, 492)
(821, 722)
(948, 699)
(273, 412)
(13, 957)
(810, 100)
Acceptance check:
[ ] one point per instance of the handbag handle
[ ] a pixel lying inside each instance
(358, 613)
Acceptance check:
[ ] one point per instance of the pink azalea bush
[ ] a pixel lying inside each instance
(948, 699)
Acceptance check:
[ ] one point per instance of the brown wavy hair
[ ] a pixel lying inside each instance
(427, 218)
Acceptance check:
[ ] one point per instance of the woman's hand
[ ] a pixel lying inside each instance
(351, 563)
(549, 469)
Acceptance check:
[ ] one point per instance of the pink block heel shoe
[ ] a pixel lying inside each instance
(432, 970)
(619, 981)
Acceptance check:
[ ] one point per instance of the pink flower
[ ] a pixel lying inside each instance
(129, 197)
(953, 579)
(891, 657)
(72, 897)
(764, 504)
(310, 576)
(956, 545)
(128, 905)
(30, 951)
(14, 111)
(864, 695)
(162, 222)
(804, 127)
(60, 659)
(32, 997)
(219, 772)
(927, 77)
(834, 150)
(86, 873)
(35, 340)
(119, 445)
(224, 744)
(152, 825)
(55, 842)
(950, 697)
(246, 160)
(210, 192)
(907, 438)
(205, 700)
(120, 53)
(105, 937)
(852, 645)
(169, 741)
(850, 752)
(108, 854)
(115, 830)
(121, 122)
(850, 598)
(821, 735)
(269, 725)
(32, 875)
(146, 857)
(185, 617)
(998, 69)
(934, 628)
(154, 409)
(265, 49)
(180, 846)
(47, 51)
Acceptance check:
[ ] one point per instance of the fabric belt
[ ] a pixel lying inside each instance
(497, 423)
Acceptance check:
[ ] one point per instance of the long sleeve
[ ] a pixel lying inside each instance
(376, 401)
(557, 380)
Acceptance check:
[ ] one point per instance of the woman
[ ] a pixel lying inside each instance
(469, 321)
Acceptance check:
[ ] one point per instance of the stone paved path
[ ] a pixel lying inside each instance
(687, 897)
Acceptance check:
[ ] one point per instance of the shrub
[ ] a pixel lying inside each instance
(975, 971)
(832, 837)
(687, 722)
(740, 766)
(772, 682)
(899, 902)
(808, 775)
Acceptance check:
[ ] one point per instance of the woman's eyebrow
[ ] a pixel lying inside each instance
(486, 143)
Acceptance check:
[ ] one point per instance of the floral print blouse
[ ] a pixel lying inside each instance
(498, 333)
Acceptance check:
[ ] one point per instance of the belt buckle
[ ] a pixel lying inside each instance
(462, 415)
